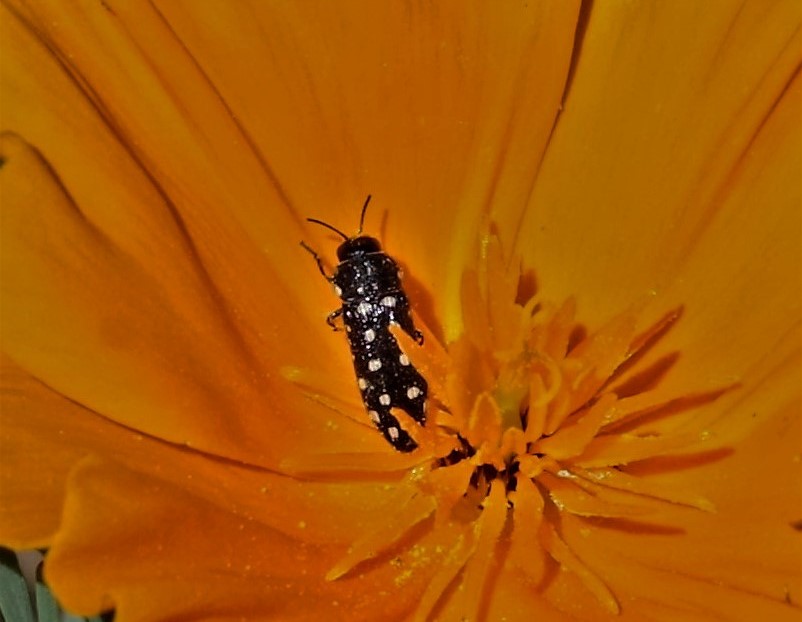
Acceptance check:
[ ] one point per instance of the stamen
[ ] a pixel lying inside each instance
(527, 432)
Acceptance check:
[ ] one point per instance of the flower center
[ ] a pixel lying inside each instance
(541, 419)
(533, 425)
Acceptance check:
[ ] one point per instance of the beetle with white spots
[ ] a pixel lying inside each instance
(368, 282)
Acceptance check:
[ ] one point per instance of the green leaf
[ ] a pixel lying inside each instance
(47, 609)
(15, 603)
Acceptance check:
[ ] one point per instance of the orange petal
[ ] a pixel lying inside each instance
(571, 439)
(526, 552)
(615, 449)
(638, 153)
(567, 559)
(640, 413)
(481, 570)
(501, 285)
(329, 82)
(613, 478)
(38, 426)
(173, 542)
(452, 563)
(152, 352)
(537, 411)
(475, 314)
(448, 485)
(744, 557)
(470, 375)
(168, 175)
(484, 424)
(561, 325)
(650, 590)
(408, 509)
(571, 498)
(515, 600)
(31, 497)
(208, 237)
(596, 358)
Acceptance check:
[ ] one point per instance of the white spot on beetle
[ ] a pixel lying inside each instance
(374, 364)
(413, 392)
(364, 308)
(337, 290)
(370, 335)
(374, 416)
(388, 301)
(384, 399)
(403, 359)
(363, 384)
(393, 432)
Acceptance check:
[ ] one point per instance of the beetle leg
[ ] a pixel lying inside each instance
(331, 317)
(404, 319)
(318, 260)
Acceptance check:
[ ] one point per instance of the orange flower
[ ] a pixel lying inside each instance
(598, 209)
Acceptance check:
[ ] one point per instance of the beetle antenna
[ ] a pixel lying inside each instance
(328, 226)
(362, 216)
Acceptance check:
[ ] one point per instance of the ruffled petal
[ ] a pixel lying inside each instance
(149, 350)
(199, 266)
(32, 492)
(153, 550)
(52, 434)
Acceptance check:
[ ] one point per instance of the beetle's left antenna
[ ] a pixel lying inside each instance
(328, 226)
(362, 215)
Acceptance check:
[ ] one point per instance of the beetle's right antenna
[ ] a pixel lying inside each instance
(362, 216)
